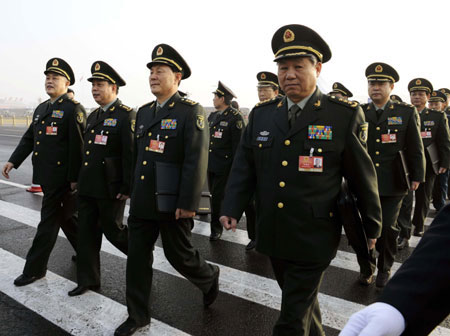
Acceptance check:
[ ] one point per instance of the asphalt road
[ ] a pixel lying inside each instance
(248, 303)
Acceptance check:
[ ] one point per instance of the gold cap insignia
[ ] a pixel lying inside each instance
(97, 67)
(434, 94)
(288, 36)
(55, 62)
(335, 86)
(418, 82)
(442, 90)
(159, 52)
(378, 68)
(263, 76)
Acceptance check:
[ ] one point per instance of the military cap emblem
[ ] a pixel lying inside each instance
(335, 86)
(378, 68)
(200, 122)
(263, 76)
(363, 131)
(80, 117)
(434, 94)
(133, 125)
(160, 51)
(97, 67)
(288, 36)
(443, 90)
(55, 62)
(418, 82)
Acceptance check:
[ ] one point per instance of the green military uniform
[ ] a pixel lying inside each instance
(105, 172)
(296, 174)
(392, 129)
(55, 139)
(225, 129)
(177, 136)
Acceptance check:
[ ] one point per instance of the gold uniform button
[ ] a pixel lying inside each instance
(211, 142)
(90, 141)
(37, 142)
(210, 150)
(40, 132)
(43, 122)
(319, 150)
(35, 153)
(287, 142)
(86, 163)
(226, 156)
(378, 140)
(396, 130)
(107, 132)
(378, 128)
(280, 205)
(282, 184)
(377, 164)
(331, 214)
(147, 149)
(149, 133)
(284, 163)
(260, 145)
(166, 137)
(377, 153)
(142, 177)
(58, 163)
(144, 163)
(92, 131)
(87, 152)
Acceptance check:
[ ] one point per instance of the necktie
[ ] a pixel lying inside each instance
(379, 113)
(158, 107)
(293, 114)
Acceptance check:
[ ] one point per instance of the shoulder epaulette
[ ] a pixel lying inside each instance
(150, 103)
(402, 104)
(268, 101)
(125, 107)
(436, 111)
(345, 102)
(70, 100)
(188, 101)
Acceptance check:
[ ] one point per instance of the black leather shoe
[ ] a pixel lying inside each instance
(23, 279)
(382, 279)
(211, 296)
(74, 258)
(251, 245)
(127, 328)
(79, 290)
(215, 236)
(418, 233)
(365, 280)
(402, 243)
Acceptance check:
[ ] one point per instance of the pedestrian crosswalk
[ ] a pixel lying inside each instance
(246, 281)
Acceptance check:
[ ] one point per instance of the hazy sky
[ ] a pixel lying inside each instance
(221, 40)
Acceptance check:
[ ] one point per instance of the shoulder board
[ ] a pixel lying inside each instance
(402, 104)
(188, 101)
(145, 105)
(268, 101)
(125, 107)
(436, 111)
(364, 105)
(345, 102)
(72, 100)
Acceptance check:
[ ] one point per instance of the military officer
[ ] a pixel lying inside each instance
(446, 105)
(268, 86)
(55, 137)
(225, 129)
(104, 180)
(293, 155)
(396, 98)
(340, 91)
(170, 159)
(393, 127)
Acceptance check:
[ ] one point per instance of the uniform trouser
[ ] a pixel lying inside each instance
(97, 216)
(250, 215)
(404, 217)
(176, 240)
(58, 211)
(216, 184)
(300, 311)
(423, 196)
(387, 244)
(440, 190)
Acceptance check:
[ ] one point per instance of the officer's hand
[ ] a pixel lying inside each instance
(414, 185)
(378, 319)
(181, 213)
(371, 243)
(442, 170)
(228, 223)
(6, 169)
(122, 197)
(73, 186)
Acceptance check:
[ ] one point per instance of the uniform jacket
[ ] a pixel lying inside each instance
(403, 120)
(296, 217)
(225, 133)
(436, 122)
(181, 125)
(420, 288)
(117, 123)
(56, 158)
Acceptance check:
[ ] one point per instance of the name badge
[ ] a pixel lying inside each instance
(110, 122)
(426, 135)
(218, 134)
(101, 139)
(169, 124)
(319, 132)
(157, 146)
(312, 164)
(395, 121)
(51, 130)
(57, 114)
(389, 138)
